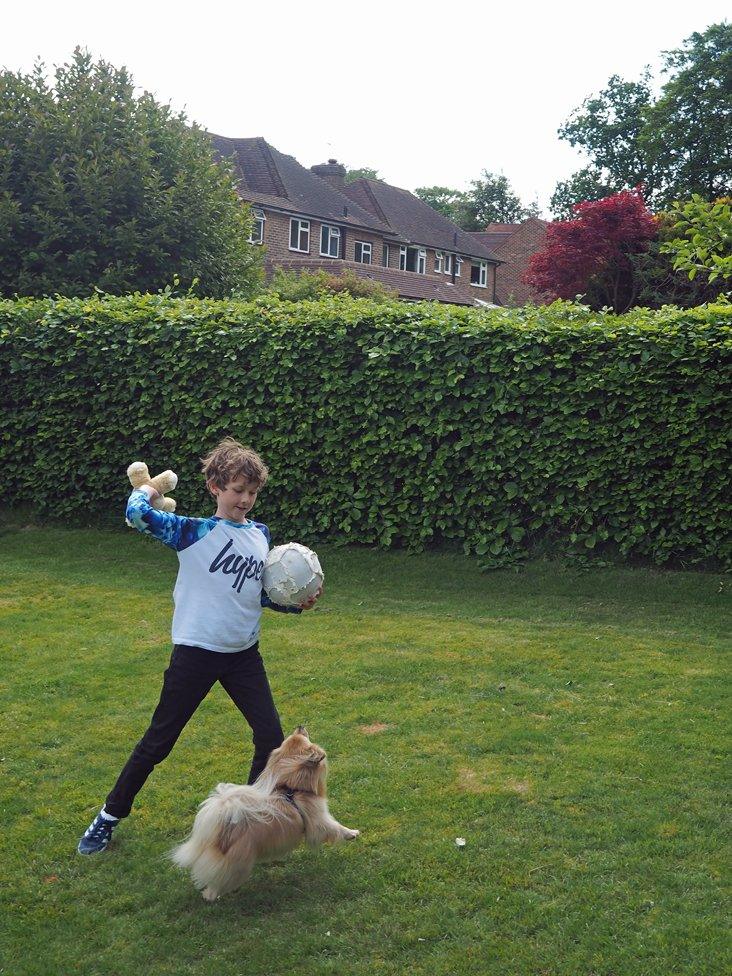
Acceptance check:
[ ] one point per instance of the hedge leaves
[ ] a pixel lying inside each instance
(556, 428)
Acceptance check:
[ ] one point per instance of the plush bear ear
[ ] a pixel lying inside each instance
(138, 474)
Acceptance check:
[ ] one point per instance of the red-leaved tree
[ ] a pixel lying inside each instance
(592, 254)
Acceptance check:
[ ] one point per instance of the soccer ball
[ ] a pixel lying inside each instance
(292, 574)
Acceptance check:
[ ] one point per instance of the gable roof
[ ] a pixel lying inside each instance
(269, 177)
(495, 235)
(491, 238)
(413, 219)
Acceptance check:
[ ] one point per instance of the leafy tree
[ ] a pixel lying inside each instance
(103, 189)
(686, 137)
(586, 184)
(364, 173)
(674, 146)
(701, 238)
(607, 128)
(491, 200)
(592, 254)
(450, 203)
(658, 283)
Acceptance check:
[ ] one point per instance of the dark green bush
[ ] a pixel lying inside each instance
(384, 424)
(102, 187)
(298, 286)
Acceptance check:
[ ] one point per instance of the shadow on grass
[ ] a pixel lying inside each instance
(275, 889)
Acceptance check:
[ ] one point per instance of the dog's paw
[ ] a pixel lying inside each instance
(209, 894)
(351, 834)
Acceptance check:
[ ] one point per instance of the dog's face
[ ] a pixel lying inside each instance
(299, 763)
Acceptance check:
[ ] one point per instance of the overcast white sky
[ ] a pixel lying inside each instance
(426, 93)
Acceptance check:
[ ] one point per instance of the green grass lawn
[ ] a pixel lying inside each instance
(570, 726)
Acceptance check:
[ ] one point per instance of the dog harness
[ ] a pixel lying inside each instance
(288, 794)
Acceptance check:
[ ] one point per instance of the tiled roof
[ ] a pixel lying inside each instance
(269, 177)
(408, 285)
(491, 239)
(413, 219)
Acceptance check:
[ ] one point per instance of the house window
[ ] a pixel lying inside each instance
(330, 241)
(385, 255)
(413, 259)
(479, 274)
(363, 252)
(438, 262)
(448, 264)
(458, 265)
(299, 235)
(257, 234)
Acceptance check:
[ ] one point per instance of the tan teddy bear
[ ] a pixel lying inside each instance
(165, 481)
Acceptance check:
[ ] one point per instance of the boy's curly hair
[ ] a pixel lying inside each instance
(230, 460)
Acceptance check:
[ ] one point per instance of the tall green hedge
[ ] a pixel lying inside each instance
(384, 424)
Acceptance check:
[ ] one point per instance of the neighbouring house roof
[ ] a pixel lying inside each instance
(410, 286)
(515, 244)
(271, 178)
(415, 220)
(493, 239)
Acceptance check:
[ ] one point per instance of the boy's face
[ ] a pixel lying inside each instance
(236, 500)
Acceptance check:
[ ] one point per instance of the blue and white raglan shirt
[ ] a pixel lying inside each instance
(218, 594)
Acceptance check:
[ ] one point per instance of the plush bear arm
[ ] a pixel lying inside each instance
(164, 482)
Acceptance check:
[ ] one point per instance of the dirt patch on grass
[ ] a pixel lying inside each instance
(469, 781)
(373, 729)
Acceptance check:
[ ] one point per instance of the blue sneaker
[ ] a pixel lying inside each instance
(97, 835)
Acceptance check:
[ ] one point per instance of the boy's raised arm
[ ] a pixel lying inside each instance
(176, 531)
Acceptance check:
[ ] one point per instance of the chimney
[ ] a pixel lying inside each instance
(332, 172)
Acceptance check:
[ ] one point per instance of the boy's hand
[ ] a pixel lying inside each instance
(152, 492)
(309, 604)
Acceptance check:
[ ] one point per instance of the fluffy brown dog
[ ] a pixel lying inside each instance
(237, 826)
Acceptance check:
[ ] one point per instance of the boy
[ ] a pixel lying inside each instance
(218, 600)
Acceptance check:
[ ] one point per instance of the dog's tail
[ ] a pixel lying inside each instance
(214, 814)
(226, 808)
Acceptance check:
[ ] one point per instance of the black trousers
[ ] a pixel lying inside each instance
(191, 674)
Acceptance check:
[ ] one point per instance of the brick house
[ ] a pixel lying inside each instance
(311, 219)
(514, 244)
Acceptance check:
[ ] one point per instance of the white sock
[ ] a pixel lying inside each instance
(107, 816)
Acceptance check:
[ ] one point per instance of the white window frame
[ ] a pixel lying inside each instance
(458, 265)
(258, 219)
(334, 235)
(482, 274)
(385, 256)
(448, 264)
(420, 259)
(438, 262)
(303, 228)
(366, 248)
